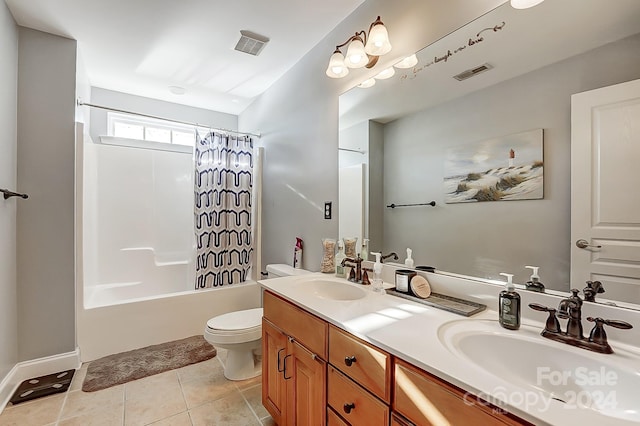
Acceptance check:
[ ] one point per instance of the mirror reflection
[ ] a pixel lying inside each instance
(518, 70)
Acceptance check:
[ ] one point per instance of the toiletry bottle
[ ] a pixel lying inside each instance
(297, 254)
(509, 305)
(340, 270)
(376, 284)
(408, 262)
(364, 252)
(534, 283)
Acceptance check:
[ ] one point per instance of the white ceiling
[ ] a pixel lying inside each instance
(144, 46)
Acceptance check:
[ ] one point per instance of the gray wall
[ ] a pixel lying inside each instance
(150, 106)
(8, 112)
(298, 118)
(484, 239)
(45, 247)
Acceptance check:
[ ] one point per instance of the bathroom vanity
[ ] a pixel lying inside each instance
(336, 353)
(316, 373)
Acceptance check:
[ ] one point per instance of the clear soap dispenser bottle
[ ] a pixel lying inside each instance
(340, 270)
(509, 305)
(408, 262)
(376, 284)
(364, 251)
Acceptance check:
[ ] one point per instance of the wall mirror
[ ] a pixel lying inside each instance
(517, 72)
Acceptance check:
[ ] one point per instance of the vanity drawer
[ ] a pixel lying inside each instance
(364, 363)
(365, 408)
(307, 329)
(333, 419)
(450, 403)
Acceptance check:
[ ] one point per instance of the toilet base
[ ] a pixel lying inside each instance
(242, 364)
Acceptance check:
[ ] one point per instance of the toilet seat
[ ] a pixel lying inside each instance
(235, 327)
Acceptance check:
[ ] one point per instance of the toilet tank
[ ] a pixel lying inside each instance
(281, 270)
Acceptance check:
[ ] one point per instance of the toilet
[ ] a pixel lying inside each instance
(240, 333)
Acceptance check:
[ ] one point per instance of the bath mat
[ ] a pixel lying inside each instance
(132, 365)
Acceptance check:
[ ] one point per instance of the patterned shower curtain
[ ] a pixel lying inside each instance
(223, 185)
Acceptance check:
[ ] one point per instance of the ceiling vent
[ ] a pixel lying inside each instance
(251, 43)
(473, 72)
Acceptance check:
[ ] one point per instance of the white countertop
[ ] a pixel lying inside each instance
(412, 332)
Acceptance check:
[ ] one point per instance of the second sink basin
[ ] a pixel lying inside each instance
(547, 369)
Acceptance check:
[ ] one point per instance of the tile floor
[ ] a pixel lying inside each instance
(196, 395)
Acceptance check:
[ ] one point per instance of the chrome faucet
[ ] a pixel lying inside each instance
(392, 254)
(571, 309)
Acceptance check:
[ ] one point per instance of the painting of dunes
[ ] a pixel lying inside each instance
(499, 169)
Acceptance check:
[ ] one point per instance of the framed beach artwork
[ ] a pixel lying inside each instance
(499, 169)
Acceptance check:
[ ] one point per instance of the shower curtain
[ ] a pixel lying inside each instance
(223, 184)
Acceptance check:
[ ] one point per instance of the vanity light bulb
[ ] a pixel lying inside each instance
(367, 83)
(407, 62)
(337, 67)
(524, 4)
(378, 43)
(388, 73)
(356, 57)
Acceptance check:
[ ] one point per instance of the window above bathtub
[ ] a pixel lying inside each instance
(141, 132)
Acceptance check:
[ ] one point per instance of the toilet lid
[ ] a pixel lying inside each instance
(239, 320)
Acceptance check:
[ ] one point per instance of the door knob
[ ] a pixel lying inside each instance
(584, 244)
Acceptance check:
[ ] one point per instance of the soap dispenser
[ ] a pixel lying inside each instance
(364, 252)
(340, 270)
(376, 284)
(509, 305)
(534, 283)
(408, 262)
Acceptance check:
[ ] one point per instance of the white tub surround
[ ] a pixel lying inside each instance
(117, 328)
(414, 333)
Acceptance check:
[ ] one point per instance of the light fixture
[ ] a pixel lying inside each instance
(388, 73)
(367, 83)
(364, 49)
(407, 62)
(524, 4)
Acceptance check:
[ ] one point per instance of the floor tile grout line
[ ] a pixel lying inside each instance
(250, 407)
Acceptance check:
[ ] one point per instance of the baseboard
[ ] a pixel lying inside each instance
(35, 368)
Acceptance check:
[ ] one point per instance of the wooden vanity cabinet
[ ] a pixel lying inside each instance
(360, 385)
(424, 399)
(294, 369)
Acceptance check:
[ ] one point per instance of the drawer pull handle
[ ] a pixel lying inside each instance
(284, 369)
(348, 407)
(349, 360)
(280, 370)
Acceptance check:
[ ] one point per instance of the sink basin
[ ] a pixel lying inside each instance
(549, 370)
(334, 290)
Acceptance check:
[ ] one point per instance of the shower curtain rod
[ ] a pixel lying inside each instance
(80, 103)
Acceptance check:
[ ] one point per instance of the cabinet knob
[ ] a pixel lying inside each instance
(348, 407)
(348, 360)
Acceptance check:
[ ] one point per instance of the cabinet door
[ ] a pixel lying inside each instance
(274, 387)
(305, 374)
(427, 400)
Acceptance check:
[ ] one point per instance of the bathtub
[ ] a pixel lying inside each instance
(134, 251)
(135, 323)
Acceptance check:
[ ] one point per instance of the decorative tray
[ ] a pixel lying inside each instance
(447, 303)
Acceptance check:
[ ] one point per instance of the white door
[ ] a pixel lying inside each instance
(605, 190)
